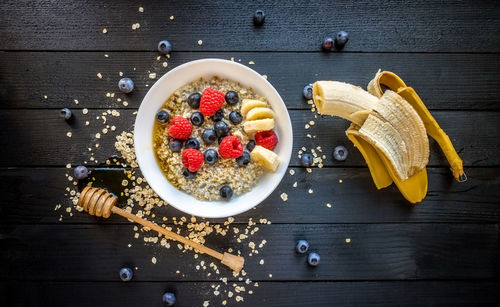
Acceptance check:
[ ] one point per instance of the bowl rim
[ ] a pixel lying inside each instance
(285, 158)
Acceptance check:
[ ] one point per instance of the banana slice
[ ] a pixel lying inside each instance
(266, 157)
(248, 104)
(254, 126)
(259, 113)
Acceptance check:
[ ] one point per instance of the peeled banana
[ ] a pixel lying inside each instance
(258, 116)
(266, 157)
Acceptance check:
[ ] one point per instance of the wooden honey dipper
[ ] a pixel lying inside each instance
(100, 203)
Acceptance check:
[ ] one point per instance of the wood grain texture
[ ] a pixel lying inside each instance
(409, 293)
(376, 252)
(408, 26)
(29, 196)
(42, 134)
(444, 81)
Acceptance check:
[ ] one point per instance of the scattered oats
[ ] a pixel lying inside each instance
(153, 260)
(340, 180)
(309, 170)
(121, 74)
(329, 205)
(284, 196)
(108, 94)
(303, 148)
(224, 302)
(45, 97)
(230, 294)
(239, 298)
(232, 59)
(87, 123)
(69, 134)
(348, 240)
(141, 9)
(99, 75)
(200, 42)
(165, 64)
(270, 275)
(295, 184)
(261, 262)
(306, 126)
(76, 101)
(309, 136)
(172, 17)
(310, 191)
(292, 172)
(312, 123)
(104, 131)
(68, 165)
(251, 63)
(85, 111)
(104, 31)
(158, 57)
(113, 128)
(152, 75)
(264, 76)
(206, 303)
(124, 182)
(106, 55)
(98, 135)
(136, 235)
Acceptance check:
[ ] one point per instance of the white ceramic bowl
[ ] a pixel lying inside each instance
(143, 136)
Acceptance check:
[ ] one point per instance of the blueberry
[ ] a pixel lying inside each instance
(197, 119)
(235, 117)
(244, 159)
(232, 98)
(218, 116)
(341, 39)
(221, 128)
(327, 44)
(175, 145)
(259, 17)
(226, 192)
(211, 156)
(164, 47)
(313, 259)
(192, 143)
(162, 116)
(126, 274)
(221, 138)
(194, 100)
(209, 136)
(251, 145)
(306, 160)
(308, 92)
(65, 113)
(187, 174)
(126, 85)
(81, 172)
(302, 246)
(168, 298)
(340, 153)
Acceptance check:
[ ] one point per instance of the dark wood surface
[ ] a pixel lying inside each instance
(443, 251)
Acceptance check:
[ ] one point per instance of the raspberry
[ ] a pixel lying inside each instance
(192, 159)
(266, 139)
(180, 128)
(230, 147)
(211, 101)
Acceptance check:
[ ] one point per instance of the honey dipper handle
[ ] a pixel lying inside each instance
(167, 233)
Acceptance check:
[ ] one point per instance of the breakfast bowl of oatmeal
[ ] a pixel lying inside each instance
(213, 138)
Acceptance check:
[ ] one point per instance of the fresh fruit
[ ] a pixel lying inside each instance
(266, 139)
(341, 39)
(211, 156)
(162, 116)
(266, 157)
(258, 125)
(221, 128)
(211, 101)
(259, 113)
(192, 159)
(221, 138)
(197, 119)
(164, 47)
(307, 92)
(209, 136)
(192, 143)
(65, 113)
(126, 85)
(244, 159)
(249, 104)
(230, 148)
(327, 44)
(218, 116)
(232, 98)
(259, 17)
(175, 145)
(235, 117)
(126, 274)
(194, 100)
(180, 128)
(306, 159)
(340, 153)
(313, 259)
(81, 172)
(168, 298)
(226, 192)
(302, 246)
(187, 174)
(250, 145)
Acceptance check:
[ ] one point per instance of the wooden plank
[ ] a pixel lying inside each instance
(30, 195)
(408, 26)
(435, 293)
(376, 252)
(444, 81)
(477, 144)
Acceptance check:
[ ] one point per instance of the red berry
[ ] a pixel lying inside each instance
(266, 139)
(230, 147)
(192, 159)
(180, 128)
(211, 101)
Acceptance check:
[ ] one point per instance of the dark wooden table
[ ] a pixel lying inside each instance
(444, 251)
